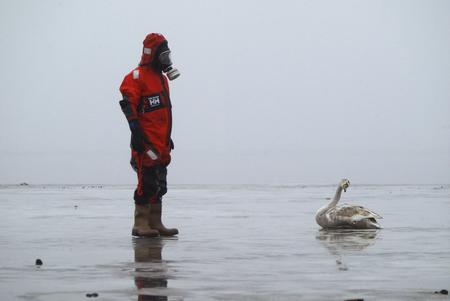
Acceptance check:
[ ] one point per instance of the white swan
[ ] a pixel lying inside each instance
(345, 215)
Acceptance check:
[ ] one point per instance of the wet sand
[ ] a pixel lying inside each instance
(236, 243)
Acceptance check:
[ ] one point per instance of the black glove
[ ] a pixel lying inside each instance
(137, 144)
(137, 137)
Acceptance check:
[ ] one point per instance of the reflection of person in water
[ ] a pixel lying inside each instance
(338, 242)
(151, 271)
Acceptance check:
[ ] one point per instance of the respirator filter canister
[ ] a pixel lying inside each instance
(166, 64)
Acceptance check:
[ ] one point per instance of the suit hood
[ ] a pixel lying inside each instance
(151, 43)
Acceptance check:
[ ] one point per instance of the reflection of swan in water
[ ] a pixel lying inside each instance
(344, 216)
(340, 241)
(150, 269)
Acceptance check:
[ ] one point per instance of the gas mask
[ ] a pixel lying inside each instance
(163, 61)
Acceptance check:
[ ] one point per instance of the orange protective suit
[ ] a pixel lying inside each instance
(146, 104)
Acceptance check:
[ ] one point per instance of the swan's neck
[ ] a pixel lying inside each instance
(333, 202)
(337, 197)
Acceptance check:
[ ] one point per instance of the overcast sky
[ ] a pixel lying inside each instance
(276, 92)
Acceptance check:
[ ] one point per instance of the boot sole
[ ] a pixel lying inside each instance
(162, 233)
(136, 233)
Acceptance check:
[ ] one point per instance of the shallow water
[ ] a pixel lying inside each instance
(236, 243)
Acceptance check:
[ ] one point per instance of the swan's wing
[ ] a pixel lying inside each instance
(354, 213)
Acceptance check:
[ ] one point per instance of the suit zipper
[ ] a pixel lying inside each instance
(169, 112)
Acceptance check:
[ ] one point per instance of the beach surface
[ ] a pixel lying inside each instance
(239, 242)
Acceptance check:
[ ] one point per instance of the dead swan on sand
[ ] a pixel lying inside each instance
(346, 216)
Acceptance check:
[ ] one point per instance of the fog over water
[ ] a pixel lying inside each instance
(270, 91)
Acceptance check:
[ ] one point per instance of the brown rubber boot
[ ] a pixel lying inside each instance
(156, 223)
(141, 226)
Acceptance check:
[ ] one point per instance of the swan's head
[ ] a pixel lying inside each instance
(344, 184)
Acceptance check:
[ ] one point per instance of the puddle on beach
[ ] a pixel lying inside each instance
(236, 243)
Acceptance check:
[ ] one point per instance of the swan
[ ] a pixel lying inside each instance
(345, 215)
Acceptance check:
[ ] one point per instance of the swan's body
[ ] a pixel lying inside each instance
(347, 216)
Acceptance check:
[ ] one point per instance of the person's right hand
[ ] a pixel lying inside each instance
(137, 137)
(137, 143)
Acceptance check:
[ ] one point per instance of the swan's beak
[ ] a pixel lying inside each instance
(345, 189)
